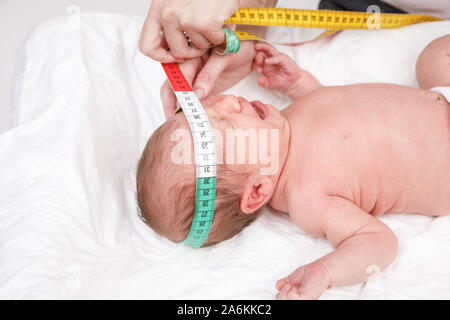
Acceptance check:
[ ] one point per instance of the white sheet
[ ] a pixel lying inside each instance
(445, 91)
(85, 102)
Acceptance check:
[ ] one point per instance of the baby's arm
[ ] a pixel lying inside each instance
(277, 71)
(362, 243)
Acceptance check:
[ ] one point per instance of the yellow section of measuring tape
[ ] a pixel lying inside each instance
(323, 19)
(331, 20)
(243, 35)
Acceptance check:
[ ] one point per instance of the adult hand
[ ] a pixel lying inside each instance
(167, 20)
(211, 74)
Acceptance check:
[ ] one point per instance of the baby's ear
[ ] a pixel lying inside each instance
(257, 192)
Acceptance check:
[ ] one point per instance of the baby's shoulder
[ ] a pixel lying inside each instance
(307, 197)
(315, 169)
(320, 111)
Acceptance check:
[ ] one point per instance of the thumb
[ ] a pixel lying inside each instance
(168, 99)
(207, 77)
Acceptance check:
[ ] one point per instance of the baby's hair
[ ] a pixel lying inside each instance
(158, 179)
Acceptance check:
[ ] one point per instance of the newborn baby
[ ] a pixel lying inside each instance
(343, 156)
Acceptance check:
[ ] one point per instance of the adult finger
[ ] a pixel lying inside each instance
(215, 36)
(198, 40)
(207, 77)
(152, 43)
(178, 44)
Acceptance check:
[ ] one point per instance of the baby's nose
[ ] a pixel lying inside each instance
(231, 103)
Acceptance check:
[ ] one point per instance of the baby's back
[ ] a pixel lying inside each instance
(385, 147)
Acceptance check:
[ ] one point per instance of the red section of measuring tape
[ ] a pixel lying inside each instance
(176, 78)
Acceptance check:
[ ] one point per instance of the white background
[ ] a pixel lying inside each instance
(19, 17)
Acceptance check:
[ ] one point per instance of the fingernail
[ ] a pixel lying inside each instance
(199, 92)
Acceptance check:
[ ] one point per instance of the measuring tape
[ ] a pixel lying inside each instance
(204, 155)
(323, 19)
(330, 20)
(201, 130)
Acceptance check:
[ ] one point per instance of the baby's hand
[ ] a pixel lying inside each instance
(277, 71)
(305, 283)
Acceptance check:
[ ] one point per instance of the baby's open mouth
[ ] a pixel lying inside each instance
(260, 108)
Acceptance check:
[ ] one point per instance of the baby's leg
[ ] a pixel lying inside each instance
(433, 65)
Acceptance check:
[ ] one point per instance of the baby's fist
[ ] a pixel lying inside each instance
(305, 283)
(277, 71)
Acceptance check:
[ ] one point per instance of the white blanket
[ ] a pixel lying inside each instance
(85, 103)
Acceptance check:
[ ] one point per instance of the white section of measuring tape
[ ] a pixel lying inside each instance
(202, 134)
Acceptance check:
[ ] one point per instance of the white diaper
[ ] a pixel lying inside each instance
(444, 90)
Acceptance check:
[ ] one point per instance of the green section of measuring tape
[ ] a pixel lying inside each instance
(204, 155)
(205, 197)
(233, 44)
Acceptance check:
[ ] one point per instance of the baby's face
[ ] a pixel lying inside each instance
(252, 134)
(240, 113)
(251, 140)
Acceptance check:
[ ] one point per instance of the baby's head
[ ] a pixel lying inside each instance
(246, 180)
